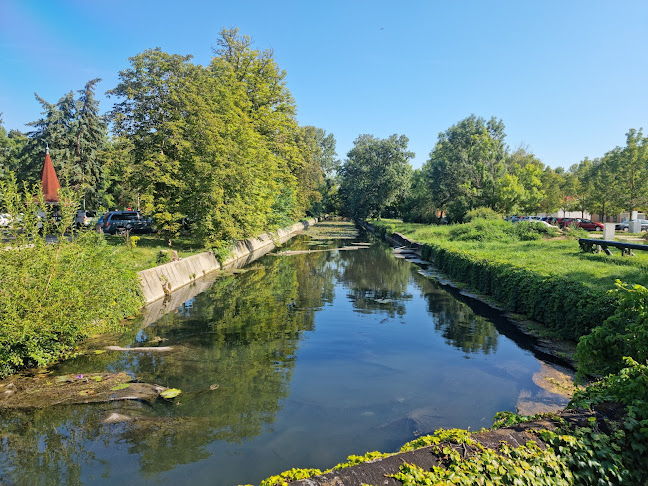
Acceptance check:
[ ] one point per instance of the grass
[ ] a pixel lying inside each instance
(147, 249)
(546, 256)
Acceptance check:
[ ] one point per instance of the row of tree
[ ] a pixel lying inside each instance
(471, 166)
(218, 145)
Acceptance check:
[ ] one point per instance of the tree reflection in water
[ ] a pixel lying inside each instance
(235, 360)
(235, 353)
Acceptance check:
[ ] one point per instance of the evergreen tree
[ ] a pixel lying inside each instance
(75, 133)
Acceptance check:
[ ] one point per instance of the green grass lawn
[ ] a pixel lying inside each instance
(147, 249)
(551, 256)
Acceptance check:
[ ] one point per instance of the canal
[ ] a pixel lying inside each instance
(306, 356)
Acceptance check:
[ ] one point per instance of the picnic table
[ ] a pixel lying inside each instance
(591, 245)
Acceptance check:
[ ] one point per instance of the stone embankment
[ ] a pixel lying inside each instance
(161, 281)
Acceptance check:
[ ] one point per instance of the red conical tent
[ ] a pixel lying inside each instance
(49, 180)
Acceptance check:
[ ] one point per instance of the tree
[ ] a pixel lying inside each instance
(376, 175)
(12, 144)
(150, 117)
(418, 206)
(271, 110)
(633, 171)
(605, 188)
(465, 164)
(90, 137)
(551, 185)
(526, 169)
(75, 134)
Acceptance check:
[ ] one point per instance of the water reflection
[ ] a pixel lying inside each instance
(459, 324)
(297, 362)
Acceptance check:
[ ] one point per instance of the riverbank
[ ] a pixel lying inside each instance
(53, 296)
(549, 280)
(159, 282)
(563, 350)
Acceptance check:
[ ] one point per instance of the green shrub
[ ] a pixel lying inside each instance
(569, 308)
(163, 256)
(532, 230)
(221, 250)
(623, 334)
(626, 445)
(482, 213)
(53, 295)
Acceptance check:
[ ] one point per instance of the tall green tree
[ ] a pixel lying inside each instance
(551, 186)
(90, 136)
(465, 164)
(272, 112)
(376, 175)
(219, 145)
(605, 187)
(530, 176)
(328, 162)
(151, 117)
(418, 205)
(75, 133)
(12, 144)
(633, 171)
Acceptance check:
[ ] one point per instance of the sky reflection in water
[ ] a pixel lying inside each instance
(298, 362)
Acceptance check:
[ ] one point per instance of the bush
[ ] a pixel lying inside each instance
(480, 229)
(53, 295)
(569, 308)
(623, 334)
(481, 213)
(626, 445)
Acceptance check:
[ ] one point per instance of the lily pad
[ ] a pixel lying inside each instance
(170, 393)
(96, 378)
(85, 393)
(121, 386)
(99, 351)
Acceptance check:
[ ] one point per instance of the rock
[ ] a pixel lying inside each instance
(115, 418)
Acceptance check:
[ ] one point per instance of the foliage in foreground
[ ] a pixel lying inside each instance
(53, 295)
(623, 334)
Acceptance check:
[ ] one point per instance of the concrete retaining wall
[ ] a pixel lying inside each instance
(161, 281)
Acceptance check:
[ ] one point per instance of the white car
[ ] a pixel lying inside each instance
(5, 219)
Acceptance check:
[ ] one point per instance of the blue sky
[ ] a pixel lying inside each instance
(568, 78)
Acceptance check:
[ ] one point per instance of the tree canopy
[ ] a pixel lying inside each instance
(375, 175)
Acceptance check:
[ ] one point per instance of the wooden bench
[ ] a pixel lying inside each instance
(595, 246)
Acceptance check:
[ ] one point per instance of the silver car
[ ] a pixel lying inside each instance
(624, 225)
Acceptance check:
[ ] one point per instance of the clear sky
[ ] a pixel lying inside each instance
(568, 78)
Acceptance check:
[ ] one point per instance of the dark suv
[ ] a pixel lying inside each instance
(121, 221)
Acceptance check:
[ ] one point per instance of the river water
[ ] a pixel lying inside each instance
(299, 361)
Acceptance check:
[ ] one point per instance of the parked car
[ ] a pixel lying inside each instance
(589, 225)
(84, 218)
(115, 222)
(625, 225)
(547, 224)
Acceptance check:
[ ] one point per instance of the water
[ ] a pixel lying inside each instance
(298, 362)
